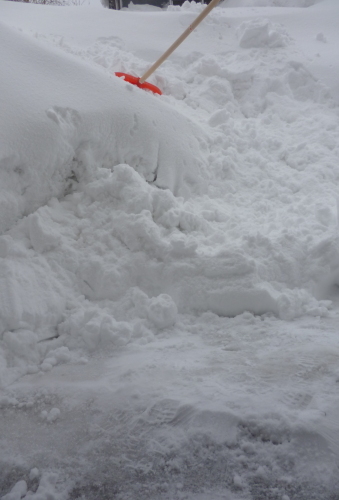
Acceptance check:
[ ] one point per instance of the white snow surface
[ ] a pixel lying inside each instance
(169, 265)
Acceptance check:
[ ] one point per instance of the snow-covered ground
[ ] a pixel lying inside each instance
(169, 265)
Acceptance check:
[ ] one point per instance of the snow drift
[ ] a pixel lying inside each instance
(59, 116)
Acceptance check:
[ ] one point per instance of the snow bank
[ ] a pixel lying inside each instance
(140, 209)
(58, 115)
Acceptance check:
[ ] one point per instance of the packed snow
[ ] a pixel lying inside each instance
(169, 265)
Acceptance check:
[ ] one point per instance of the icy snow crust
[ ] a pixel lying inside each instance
(155, 250)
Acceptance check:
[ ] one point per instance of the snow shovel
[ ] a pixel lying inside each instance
(141, 82)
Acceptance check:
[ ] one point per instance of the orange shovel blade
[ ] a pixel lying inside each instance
(134, 80)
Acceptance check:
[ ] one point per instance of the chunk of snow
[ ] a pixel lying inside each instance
(261, 33)
(162, 311)
(18, 491)
(53, 415)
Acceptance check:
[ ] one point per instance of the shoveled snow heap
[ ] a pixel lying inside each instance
(124, 214)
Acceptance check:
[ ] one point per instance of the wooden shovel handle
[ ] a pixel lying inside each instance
(179, 40)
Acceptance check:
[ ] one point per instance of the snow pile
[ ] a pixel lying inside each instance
(68, 115)
(115, 258)
(169, 266)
